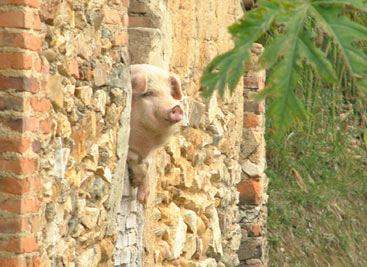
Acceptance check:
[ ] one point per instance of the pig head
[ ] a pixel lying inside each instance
(155, 110)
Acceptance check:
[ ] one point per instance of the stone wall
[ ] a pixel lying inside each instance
(65, 93)
(83, 161)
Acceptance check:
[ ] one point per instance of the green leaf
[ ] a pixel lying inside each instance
(358, 4)
(316, 58)
(343, 32)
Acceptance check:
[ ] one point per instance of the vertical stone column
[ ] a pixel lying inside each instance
(23, 122)
(252, 188)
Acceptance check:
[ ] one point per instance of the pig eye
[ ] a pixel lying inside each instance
(147, 94)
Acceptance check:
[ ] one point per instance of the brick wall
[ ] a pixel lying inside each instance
(22, 107)
(253, 185)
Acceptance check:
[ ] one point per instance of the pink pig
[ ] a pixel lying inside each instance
(155, 110)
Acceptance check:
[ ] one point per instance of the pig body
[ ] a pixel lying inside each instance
(155, 110)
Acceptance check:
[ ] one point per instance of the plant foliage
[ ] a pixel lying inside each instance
(300, 25)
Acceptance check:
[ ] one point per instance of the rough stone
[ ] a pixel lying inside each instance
(177, 232)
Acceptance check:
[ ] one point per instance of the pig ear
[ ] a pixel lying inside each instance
(176, 87)
(139, 82)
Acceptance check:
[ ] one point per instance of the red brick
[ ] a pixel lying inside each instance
(250, 121)
(111, 16)
(19, 245)
(36, 262)
(37, 24)
(254, 230)
(14, 185)
(37, 64)
(41, 105)
(23, 19)
(20, 39)
(19, 84)
(19, 166)
(31, 3)
(13, 225)
(18, 61)
(9, 102)
(19, 145)
(20, 206)
(13, 262)
(253, 83)
(36, 184)
(22, 124)
(35, 224)
(45, 126)
(121, 39)
(144, 22)
(250, 192)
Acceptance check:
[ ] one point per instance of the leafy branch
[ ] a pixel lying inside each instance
(299, 23)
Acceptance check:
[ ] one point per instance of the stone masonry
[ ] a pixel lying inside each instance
(65, 96)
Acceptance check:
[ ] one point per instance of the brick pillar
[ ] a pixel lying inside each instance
(252, 188)
(22, 104)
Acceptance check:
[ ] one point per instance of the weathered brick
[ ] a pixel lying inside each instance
(20, 39)
(250, 121)
(138, 7)
(19, 84)
(36, 184)
(37, 66)
(45, 126)
(250, 106)
(13, 225)
(19, 145)
(24, 19)
(13, 262)
(19, 61)
(250, 192)
(144, 22)
(20, 206)
(16, 186)
(31, 3)
(253, 83)
(40, 105)
(36, 262)
(36, 146)
(19, 166)
(254, 230)
(9, 102)
(22, 124)
(35, 223)
(19, 245)
(111, 16)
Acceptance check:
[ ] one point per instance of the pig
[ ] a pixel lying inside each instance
(156, 109)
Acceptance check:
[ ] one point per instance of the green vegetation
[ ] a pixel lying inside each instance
(303, 31)
(318, 185)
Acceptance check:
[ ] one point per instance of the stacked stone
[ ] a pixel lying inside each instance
(23, 127)
(83, 160)
(253, 187)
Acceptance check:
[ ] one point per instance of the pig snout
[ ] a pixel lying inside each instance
(176, 114)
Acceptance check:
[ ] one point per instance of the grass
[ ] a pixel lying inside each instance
(318, 189)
